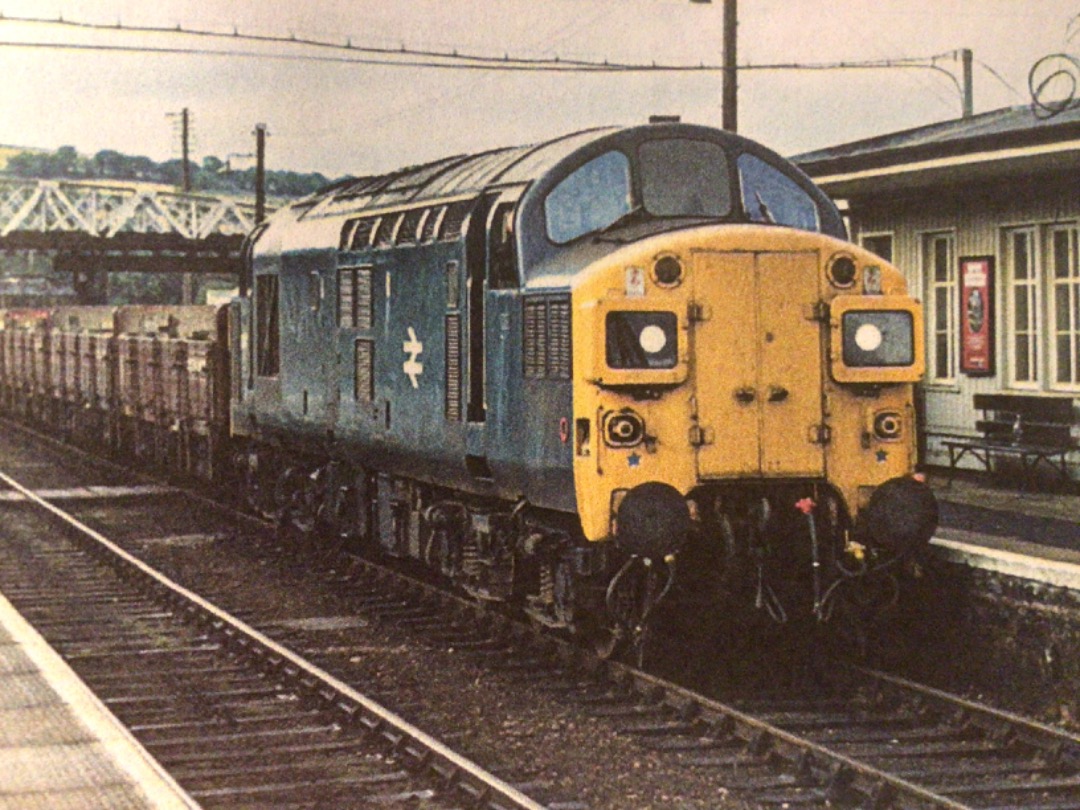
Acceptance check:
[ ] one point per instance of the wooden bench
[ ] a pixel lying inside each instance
(1029, 428)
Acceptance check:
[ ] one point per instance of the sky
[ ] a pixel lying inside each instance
(339, 117)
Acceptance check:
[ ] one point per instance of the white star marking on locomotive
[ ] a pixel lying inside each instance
(411, 367)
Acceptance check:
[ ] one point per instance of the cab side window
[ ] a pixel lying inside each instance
(772, 197)
(502, 262)
(267, 337)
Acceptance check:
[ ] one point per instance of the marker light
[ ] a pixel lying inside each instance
(842, 271)
(668, 271)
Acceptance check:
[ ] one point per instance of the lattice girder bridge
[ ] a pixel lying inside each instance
(93, 227)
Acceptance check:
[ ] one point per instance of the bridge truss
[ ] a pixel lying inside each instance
(92, 227)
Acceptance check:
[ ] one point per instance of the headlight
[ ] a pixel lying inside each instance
(624, 428)
(641, 339)
(888, 425)
(877, 338)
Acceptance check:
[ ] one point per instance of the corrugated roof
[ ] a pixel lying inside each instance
(997, 129)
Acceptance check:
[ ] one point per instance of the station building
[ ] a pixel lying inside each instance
(982, 215)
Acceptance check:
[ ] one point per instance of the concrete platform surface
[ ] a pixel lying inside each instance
(1032, 535)
(60, 747)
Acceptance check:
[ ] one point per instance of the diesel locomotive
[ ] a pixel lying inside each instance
(580, 376)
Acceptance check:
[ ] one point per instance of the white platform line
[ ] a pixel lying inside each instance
(1062, 573)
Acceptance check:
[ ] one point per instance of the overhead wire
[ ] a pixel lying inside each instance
(1054, 80)
(1000, 78)
(407, 57)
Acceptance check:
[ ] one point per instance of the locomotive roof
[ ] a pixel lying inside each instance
(449, 177)
(314, 220)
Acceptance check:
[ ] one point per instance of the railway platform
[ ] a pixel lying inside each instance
(1032, 535)
(60, 747)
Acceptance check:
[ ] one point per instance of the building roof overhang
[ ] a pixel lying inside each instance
(998, 145)
(954, 170)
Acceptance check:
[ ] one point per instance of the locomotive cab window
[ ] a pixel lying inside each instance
(772, 197)
(592, 197)
(684, 178)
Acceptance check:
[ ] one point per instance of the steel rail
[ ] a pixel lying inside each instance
(881, 788)
(485, 788)
(1039, 734)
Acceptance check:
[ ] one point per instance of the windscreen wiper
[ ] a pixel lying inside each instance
(623, 219)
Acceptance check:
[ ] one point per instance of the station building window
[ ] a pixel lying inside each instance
(939, 269)
(1022, 322)
(880, 244)
(1042, 295)
(1065, 294)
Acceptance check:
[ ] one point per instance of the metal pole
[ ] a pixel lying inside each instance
(968, 101)
(731, 76)
(184, 141)
(260, 173)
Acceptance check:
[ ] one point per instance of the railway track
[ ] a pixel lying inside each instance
(864, 739)
(238, 719)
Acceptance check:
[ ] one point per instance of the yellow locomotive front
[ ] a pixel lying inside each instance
(744, 400)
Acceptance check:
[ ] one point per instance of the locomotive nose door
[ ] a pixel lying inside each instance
(757, 368)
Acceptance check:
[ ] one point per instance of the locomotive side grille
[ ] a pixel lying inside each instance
(364, 388)
(354, 298)
(453, 368)
(363, 298)
(453, 285)
(346, 297)
(546, 340)
(535, 338)
(559, 352)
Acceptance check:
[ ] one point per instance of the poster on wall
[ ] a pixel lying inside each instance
(977, 316)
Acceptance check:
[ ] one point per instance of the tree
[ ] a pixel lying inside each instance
(211, 176)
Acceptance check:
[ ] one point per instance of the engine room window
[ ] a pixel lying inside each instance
(361, 235)
(681, 177)
(591, 198)
(431, 222)
(645, 340)
(410, 224)
(772, 197)
(267, 336)
(453, 222)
